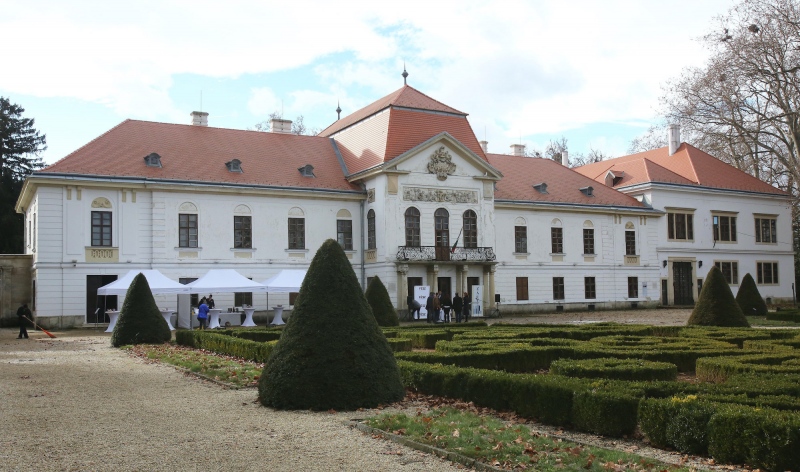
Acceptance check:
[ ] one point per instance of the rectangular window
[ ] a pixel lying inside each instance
(522, 288)
(588, 241)
(724, 228)
(730, 270)
(242, 233)
(557, 240)
(680, 226)
(767, 273)
(589, 288)
(344, 233)
(633, 287)
(243, 298)
(558, 288)
(297, 233)
(521, 239)
(766, 230)
(187, 229)
(101, 228)
(630, 243)
(293, 297)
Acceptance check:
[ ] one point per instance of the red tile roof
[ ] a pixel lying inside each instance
(688, 166)
(199, 153)
(407, 96)
(563, 183)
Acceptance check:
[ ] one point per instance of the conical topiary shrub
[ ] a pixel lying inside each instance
(749, 299)
(381, 304)
(140, 321)
(331, 354)
(715, 305)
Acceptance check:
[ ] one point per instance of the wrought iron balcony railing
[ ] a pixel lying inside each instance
(443, 253)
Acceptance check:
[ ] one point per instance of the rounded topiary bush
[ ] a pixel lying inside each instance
(715, 305)
(140, 320)
(331, 354)
(381, 304)
(749, 299)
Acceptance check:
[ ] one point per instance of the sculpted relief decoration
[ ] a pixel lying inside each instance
(418, 194)
(101, 202)
(441, 164)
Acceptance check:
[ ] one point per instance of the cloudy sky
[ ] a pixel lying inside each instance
(525, 71)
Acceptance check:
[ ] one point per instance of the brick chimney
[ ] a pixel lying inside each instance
(278, 125)
(674, 138)
(199, 118)
(517, 149)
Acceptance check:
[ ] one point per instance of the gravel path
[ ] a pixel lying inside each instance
(75, 403)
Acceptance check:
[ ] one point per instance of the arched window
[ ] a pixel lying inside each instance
(412, 227)
(470, 229)
(441, 219)
(371, 243)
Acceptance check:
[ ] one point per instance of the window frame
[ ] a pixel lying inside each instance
(104, 227)
(557, 240)
(630, 242)
(243, 235)
(344, 233)
(372, 241)
(760, 266)
(633, 287)
(522, 289)
(590, 288)
(470, 225)
(521, 239)
(588, 242)
(559, 291)
(296, 233)
(672, 225)
(731, 275)
(186, 223)
(412, 227)
(721, 223)
(772, 229)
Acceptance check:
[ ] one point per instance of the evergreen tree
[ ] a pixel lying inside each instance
(20, 144)
(140, 321)
(749, 299)
(331, 354)
(381, 304)
(715, 305)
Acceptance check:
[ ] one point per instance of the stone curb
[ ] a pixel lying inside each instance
(448, 455)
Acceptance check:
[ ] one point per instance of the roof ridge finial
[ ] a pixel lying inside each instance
(405, 74)
(338, 111)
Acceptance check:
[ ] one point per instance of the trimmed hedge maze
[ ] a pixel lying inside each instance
(731, 393)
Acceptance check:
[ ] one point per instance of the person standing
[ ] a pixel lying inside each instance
(210, 301)
(437, 306)
(467, 306)
(202, 314)
(446, 305)
(25, 316)
(429, 308)
(458, 307)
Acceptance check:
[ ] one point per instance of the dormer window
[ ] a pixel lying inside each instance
(152, 160)
(307, 170)
(234, 165)
(613, 179)
(541, 188)
(587, 191)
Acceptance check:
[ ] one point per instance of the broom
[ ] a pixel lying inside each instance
(40, 328)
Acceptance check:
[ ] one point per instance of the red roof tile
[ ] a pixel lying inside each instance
(199, 153)
(688, 166)
(563, 183)
(405, 97)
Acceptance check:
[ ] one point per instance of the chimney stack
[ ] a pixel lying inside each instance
(565, 158)
(278, 125)
(674, 138)
(484, 145)
(199, 118)
(517, 149)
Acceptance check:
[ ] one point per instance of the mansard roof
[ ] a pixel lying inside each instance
(199, 153)
(688, 166)
(564, 185)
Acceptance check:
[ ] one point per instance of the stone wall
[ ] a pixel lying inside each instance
(15, 286)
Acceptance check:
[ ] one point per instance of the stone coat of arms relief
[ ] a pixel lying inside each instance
(441, 164)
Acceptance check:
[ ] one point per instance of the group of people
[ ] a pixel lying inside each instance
(206, 303)
(437, 304)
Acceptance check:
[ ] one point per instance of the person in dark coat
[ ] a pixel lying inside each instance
(458, 307)
(447, 304)
(429, 307)
(413, 307)
(467, 306)
(25, 316)
(210, 301)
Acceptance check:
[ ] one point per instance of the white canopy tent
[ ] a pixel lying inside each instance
(224, 280)
(159, 283)
(288, 280)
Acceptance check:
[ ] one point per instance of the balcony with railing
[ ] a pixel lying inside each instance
(445, 254)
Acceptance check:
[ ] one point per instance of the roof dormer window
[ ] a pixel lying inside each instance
(152, 160)
(234, 165)
(541, 188)
(307, 170)
(587, 191)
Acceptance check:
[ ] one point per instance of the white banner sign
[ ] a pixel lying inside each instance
(421, 293)
(477, 300)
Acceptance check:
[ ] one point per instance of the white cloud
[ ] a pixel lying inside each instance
(263, 101)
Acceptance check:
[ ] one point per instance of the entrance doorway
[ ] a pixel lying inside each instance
(442, 231)
(682, 283)
(96, 306)
(443, 284)
(470, 282)
(413, 282)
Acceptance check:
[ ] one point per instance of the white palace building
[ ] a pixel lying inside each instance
(413, 197)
